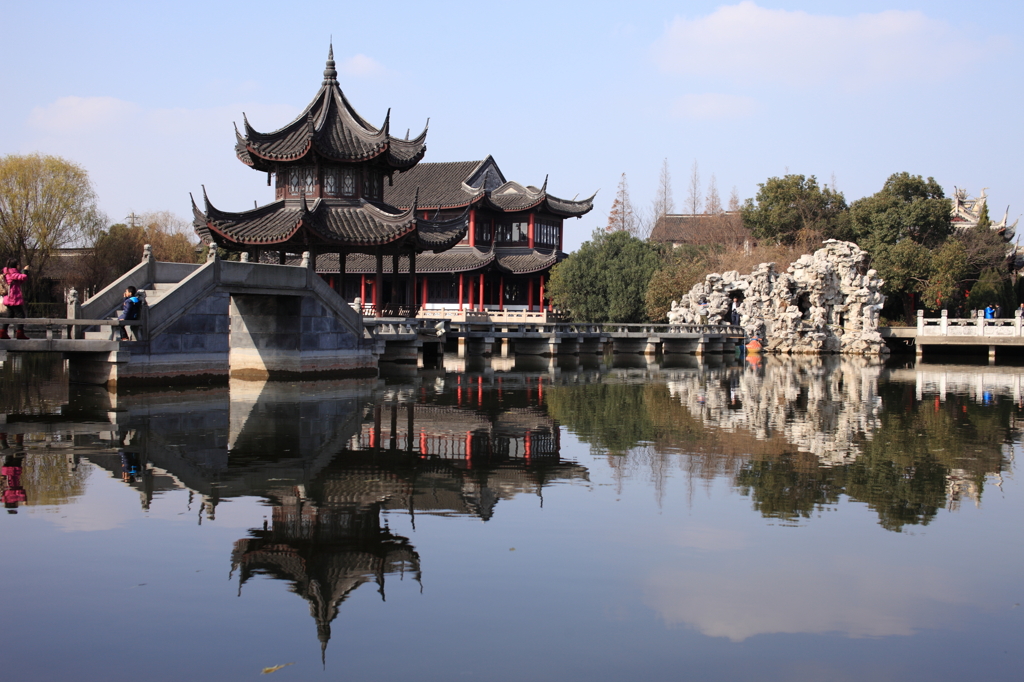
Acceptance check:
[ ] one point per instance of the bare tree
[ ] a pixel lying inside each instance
(693, 197)
(713, 203)
(622, 215)
(663, 202)
(734, 200)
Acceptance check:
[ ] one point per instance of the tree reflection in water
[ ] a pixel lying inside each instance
(797, 433)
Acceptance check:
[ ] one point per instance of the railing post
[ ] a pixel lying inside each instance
(944, 323)
(141, 333)
(920, 323)
(75, 312)
(147, 258)
(212, 257)
(309, 263)
(981, 323)
(1017, 321)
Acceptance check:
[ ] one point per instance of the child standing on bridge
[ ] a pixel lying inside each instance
(14, 300)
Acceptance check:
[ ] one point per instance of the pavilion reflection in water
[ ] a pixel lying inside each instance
(326, 536)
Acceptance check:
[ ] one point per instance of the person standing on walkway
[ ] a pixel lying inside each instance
(14, 300)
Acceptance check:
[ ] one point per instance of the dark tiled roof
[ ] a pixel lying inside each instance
(512, 197)
(440, 185)
(527, 261)
(461, 183)
(700, 229)
(458, 259)
(334, 129)
(342, 224)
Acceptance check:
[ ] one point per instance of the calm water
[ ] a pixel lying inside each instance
(780, 520)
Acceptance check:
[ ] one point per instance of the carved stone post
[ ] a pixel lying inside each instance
(75, 312)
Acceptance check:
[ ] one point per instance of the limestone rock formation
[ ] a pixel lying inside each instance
(825, 302)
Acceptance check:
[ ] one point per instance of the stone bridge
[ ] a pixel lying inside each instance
(218, 319)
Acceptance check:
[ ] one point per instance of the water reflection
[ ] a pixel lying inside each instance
(796, 434)
(337, 465)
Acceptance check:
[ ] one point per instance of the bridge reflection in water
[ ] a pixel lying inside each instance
(331, 458)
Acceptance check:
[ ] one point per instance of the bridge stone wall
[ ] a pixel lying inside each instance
(278, 336)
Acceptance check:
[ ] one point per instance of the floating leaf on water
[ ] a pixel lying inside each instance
(274, 669)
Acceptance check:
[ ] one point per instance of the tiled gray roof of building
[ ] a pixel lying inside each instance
(527, 261)
(458, 259)
(331, 126)
(440, 185)
(700, 229)
(454, 185)
(343, 224)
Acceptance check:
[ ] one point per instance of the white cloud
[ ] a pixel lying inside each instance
(712, 105)
(749, 44)
(361, 66)
(70, 115)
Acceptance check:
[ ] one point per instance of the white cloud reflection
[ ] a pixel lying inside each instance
(844, 594)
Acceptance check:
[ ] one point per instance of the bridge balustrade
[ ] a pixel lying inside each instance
(972, 326)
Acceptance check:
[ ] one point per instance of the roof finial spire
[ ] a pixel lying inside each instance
(330, 73)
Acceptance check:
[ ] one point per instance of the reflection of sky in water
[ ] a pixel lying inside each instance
(653, 562)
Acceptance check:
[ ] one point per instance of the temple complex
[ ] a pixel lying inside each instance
(404, 237)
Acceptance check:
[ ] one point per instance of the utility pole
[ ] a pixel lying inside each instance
(132, 219)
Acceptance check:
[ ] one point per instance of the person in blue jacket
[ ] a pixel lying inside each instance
(130, 311)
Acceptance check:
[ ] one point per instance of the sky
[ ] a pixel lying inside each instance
(144, 95)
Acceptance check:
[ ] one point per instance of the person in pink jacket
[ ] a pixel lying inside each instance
(14, 300)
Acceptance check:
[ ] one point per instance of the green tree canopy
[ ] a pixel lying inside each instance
(793, 209)
(907, 207)
(606, 279)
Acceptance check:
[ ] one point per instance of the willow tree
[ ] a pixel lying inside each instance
(46, 203)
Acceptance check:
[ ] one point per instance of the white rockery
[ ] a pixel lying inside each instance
(825, 302)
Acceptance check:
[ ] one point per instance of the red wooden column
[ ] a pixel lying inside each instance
(472, 290)
(501, 293)
(411, 284)
(540, 303)
(424, 296)
(472, 227)
(481, 292)
(530, 232)
(362, 290)
(529, 296)
(460, 291)
(378, 285)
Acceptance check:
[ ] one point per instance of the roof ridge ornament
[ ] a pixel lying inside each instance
(330, 73)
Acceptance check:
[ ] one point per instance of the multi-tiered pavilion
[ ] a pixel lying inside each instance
(330, 167)
(400, 235)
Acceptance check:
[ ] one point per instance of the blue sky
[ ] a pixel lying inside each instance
(144, 95)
